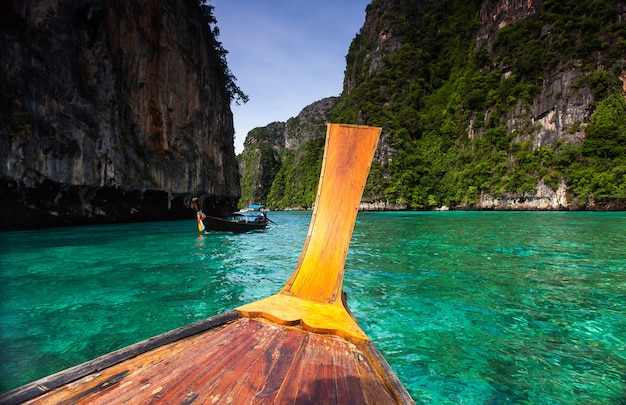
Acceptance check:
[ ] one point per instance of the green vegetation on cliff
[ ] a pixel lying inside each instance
(445, 101)
(280, 181)
(464, 105)
(281, 162)
(205, 11)
(260, 167)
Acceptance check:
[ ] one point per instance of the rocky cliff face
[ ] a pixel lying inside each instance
(266, 149)
(309, 124)
(260, 161)
(556, 114)
(560, 109)
(110, 111)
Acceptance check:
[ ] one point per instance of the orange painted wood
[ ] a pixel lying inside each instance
(347, 158)
(312, 295)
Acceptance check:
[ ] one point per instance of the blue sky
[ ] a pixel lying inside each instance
(285, 54)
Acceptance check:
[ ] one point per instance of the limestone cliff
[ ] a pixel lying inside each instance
(285, 153)
(484, 104)
(560, 104)
(533, 77)
(111, 111)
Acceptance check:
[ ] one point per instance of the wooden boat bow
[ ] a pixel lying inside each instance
(299, 346)
(312, 295)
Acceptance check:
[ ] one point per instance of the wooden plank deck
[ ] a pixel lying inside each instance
(243, 361)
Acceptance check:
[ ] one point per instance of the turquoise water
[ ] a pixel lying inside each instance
(467, 307)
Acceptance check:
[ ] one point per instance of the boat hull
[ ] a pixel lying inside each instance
(223, 359)
(224, 225)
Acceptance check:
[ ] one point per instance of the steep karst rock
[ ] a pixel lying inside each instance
(281, 154)
(111, 111)
(486, 104)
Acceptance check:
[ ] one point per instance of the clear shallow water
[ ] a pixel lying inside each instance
(467, 307)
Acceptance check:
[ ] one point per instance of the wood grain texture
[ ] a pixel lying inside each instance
(347, 158)
(92, 367)
(312, 295)
(246, 361)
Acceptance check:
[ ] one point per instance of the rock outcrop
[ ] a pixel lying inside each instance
(265, 149)
(111, 111)
(309, 124)
(544, 199)
(559, 110)
(555, 114)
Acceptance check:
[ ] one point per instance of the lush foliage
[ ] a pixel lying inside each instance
(288, 179)
(293, 152)
(212, 32)
(257, 180)
(600, 169)
(446, 102)
(445, 99)
(296, 182)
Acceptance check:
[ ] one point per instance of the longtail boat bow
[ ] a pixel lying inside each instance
(300, 345)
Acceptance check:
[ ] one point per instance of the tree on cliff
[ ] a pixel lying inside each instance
(213, 32)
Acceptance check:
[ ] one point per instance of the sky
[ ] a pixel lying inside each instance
(285, 54)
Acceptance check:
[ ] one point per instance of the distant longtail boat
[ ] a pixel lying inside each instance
(236, 222)
(301, 345)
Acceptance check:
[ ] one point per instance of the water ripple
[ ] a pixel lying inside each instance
(467, 307)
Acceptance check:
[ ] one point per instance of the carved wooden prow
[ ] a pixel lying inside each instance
(312, 295)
